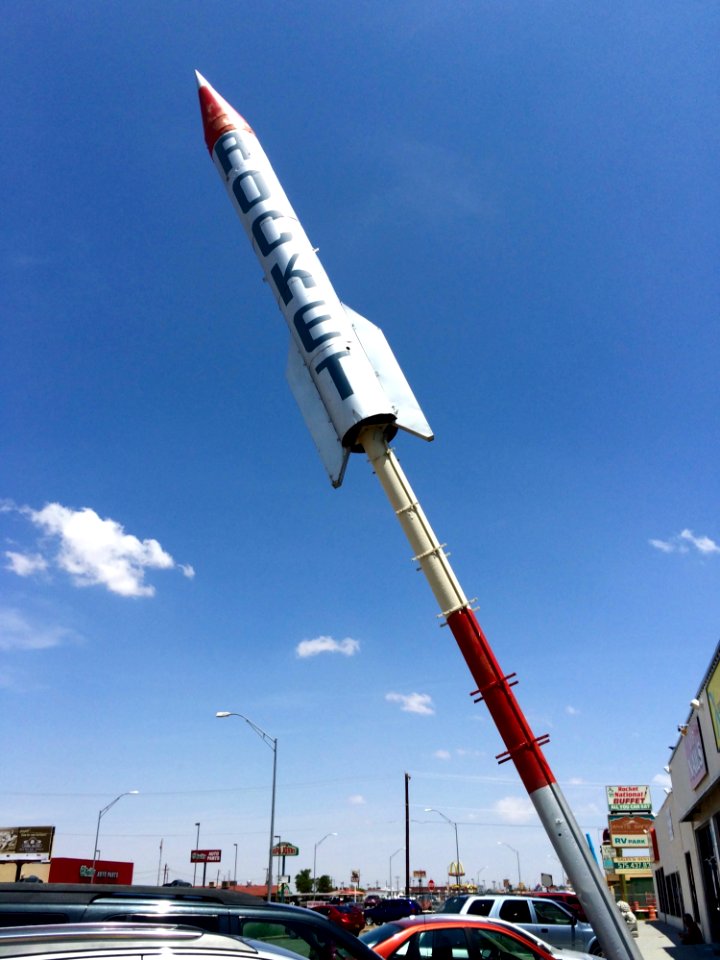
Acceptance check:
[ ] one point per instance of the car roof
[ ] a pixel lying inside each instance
(101, 937)
(438, 919)
(89, 892)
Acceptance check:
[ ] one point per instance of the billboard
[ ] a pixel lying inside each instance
(26, 843)
(628, 831)
(205, 856)
(285, 849)
(629, 799)
(77, 870)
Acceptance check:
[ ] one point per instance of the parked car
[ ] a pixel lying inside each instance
(349, 916)
(545, 918)
(297, 929)
(567, 898)
(130, 941)
(392, 909)
(442, 936)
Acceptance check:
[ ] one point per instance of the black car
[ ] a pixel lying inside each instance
(395, 908)
(217, 911)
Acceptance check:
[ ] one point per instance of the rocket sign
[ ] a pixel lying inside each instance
(340, 367)
(629, 799)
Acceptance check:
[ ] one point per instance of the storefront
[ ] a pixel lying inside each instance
(686, 833)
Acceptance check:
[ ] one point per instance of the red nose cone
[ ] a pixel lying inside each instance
(217, 114)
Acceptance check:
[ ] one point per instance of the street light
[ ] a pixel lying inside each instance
(197, 845)
(315, 859)
(272, 743)
(390, 886)
(235, 870)
(457, 849)
(97, 832)
(502, 843)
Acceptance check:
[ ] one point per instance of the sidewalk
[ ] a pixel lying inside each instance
(661, 941)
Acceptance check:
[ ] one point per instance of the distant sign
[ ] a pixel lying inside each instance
(632, 799)
(285, 850)
(26, 843)
(205, 856)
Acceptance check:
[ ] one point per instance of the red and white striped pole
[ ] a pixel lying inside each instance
(493, 687)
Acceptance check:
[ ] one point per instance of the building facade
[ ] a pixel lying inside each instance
(686, 833)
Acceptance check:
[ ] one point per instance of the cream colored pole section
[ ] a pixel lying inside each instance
(429, 552)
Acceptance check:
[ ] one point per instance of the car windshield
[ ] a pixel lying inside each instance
(454, 904)
(380, 934)
(501, 946)
(300, 938)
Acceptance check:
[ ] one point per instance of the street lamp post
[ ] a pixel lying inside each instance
(102, 813)
(197, 845)
(502, 843)
(390, 885)
(457, 848)
(272, 743)
(235, 870)
(315, 859)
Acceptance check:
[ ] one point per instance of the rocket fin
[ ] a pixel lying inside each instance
(332, 453)
(393, 381)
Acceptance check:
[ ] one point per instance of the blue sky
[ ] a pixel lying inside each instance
(525, 198)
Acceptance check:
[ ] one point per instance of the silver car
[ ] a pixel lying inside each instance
(544, 918)
(129, 941)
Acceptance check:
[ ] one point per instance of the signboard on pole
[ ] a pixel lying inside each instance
(205, 856)
(627, 866)
(628, 831)
(631, 799)
(26, 843)
(285, 850)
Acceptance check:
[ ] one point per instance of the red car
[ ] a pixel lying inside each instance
(454, 936)
(350, 916)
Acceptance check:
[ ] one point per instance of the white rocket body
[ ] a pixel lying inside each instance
(340, 368)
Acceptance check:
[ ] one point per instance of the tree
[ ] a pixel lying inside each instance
(303, 881)
(324, 884)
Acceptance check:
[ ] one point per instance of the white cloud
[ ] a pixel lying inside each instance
(311, 648)
(663, 545)
(442, 754)
(25, 564)
(18, 633)
(572, 711)
(515, 810)
(357, 800)
(93, 551)
(683, 541)
(413, 702)
(662, 780)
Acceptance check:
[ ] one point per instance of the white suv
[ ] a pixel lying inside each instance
(546, 919)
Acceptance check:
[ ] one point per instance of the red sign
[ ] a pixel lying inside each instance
(285, 850)
(77, 870)
(205, 856)
(431, 884)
